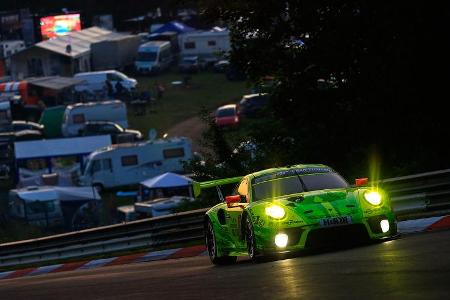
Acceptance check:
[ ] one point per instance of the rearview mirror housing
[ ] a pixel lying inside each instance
(230, 200)
(361, 181)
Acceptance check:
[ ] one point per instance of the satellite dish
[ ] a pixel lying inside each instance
(152, 134)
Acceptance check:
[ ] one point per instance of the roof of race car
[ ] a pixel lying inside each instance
(290, 170)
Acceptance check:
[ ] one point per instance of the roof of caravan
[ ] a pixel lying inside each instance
(60, 147)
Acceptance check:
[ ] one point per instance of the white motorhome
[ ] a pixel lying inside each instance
(154, 57)
(129, 164)
(77, 114)
(96, 81)
(208, 45)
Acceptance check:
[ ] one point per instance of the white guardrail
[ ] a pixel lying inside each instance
(415, 194)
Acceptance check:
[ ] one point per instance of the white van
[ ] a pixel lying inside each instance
(96, 81)
(129, 164)
(77, 114)
(154, 57)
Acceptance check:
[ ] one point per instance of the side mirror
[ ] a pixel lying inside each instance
(232, 199)
(361, 181)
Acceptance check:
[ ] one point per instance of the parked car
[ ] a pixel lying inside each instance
(16, 126)
(117, 132)
(221, 66)
(227, 115)
(154, 57)
(251, 105)
(189, 64)
(77, 114)
(96, 81)
(22, 135)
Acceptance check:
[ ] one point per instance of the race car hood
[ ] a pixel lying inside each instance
(322, 204)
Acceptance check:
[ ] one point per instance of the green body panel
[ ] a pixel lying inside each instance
(52, 119)
(303, 213)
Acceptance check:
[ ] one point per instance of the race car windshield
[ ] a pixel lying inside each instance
(297, 184)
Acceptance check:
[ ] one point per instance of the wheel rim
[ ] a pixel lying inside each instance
(250, 240)
(211, 242)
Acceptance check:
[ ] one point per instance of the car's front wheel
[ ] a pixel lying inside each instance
(211, 245)
(250, 240)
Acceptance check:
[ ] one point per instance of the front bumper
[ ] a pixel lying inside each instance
(314, 236)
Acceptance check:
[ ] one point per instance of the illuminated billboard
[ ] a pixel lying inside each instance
(55, 26)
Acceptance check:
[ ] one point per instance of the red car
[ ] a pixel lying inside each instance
(227, 115)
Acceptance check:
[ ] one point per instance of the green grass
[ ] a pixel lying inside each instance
(208, 90)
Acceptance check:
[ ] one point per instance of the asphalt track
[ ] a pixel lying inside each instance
(414, 267)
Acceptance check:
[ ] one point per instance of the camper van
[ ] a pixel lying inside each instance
(76, 115)
(129, 164)
(96, 81)
(154, 57)
(207, 45)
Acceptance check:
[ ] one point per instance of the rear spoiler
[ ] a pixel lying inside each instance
(199, 186)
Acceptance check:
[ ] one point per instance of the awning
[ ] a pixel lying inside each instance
(60, 147)
(55, 82)
(167, 180)
(32, 194)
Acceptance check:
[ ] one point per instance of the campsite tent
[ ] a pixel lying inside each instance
(178, 27)
(165, 185)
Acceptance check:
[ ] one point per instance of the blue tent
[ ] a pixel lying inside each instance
(174, 26)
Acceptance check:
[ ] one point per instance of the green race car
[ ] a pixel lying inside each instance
(289, 209)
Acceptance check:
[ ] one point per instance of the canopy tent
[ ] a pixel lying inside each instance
(55, 148)
(167, 180)
(54, 82)
(60, 147)
(174, 26)
(32, 194)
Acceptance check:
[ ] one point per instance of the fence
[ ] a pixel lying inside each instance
(421, 193)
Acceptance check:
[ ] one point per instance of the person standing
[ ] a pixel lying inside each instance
(109, 89)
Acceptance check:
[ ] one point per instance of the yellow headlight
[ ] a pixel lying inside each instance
(275, 211)
(373, 197)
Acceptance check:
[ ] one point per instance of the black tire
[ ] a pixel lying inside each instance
(211, 247)
(250, 240)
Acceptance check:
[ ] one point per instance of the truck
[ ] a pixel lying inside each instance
(116, 53)
(76, 115)
(129, 164)
(209, 46)
(154, 57)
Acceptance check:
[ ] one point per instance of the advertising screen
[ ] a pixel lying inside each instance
(54, 26)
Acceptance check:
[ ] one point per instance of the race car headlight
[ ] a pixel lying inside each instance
(372, 197)
(275, 211)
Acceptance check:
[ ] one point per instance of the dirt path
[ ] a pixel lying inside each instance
(191, 128)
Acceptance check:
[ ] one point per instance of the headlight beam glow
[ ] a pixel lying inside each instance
(275, 211)
(373, 197)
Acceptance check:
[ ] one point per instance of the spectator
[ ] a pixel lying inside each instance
(109, 88)
(159, 90)
(119, 89)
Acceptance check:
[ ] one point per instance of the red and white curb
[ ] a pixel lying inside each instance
(113, 261)
(404, 227)
(426, 224)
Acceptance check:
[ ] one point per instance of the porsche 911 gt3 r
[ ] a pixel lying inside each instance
(289, 209)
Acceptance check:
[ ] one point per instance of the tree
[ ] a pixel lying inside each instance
(357, 79)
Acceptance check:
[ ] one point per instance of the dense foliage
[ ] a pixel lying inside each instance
(365, 90)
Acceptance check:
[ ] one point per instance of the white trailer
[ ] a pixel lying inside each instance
(208, 45)
(77, 114)
(129, 164)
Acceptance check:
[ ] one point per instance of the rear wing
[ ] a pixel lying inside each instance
(199, 186)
